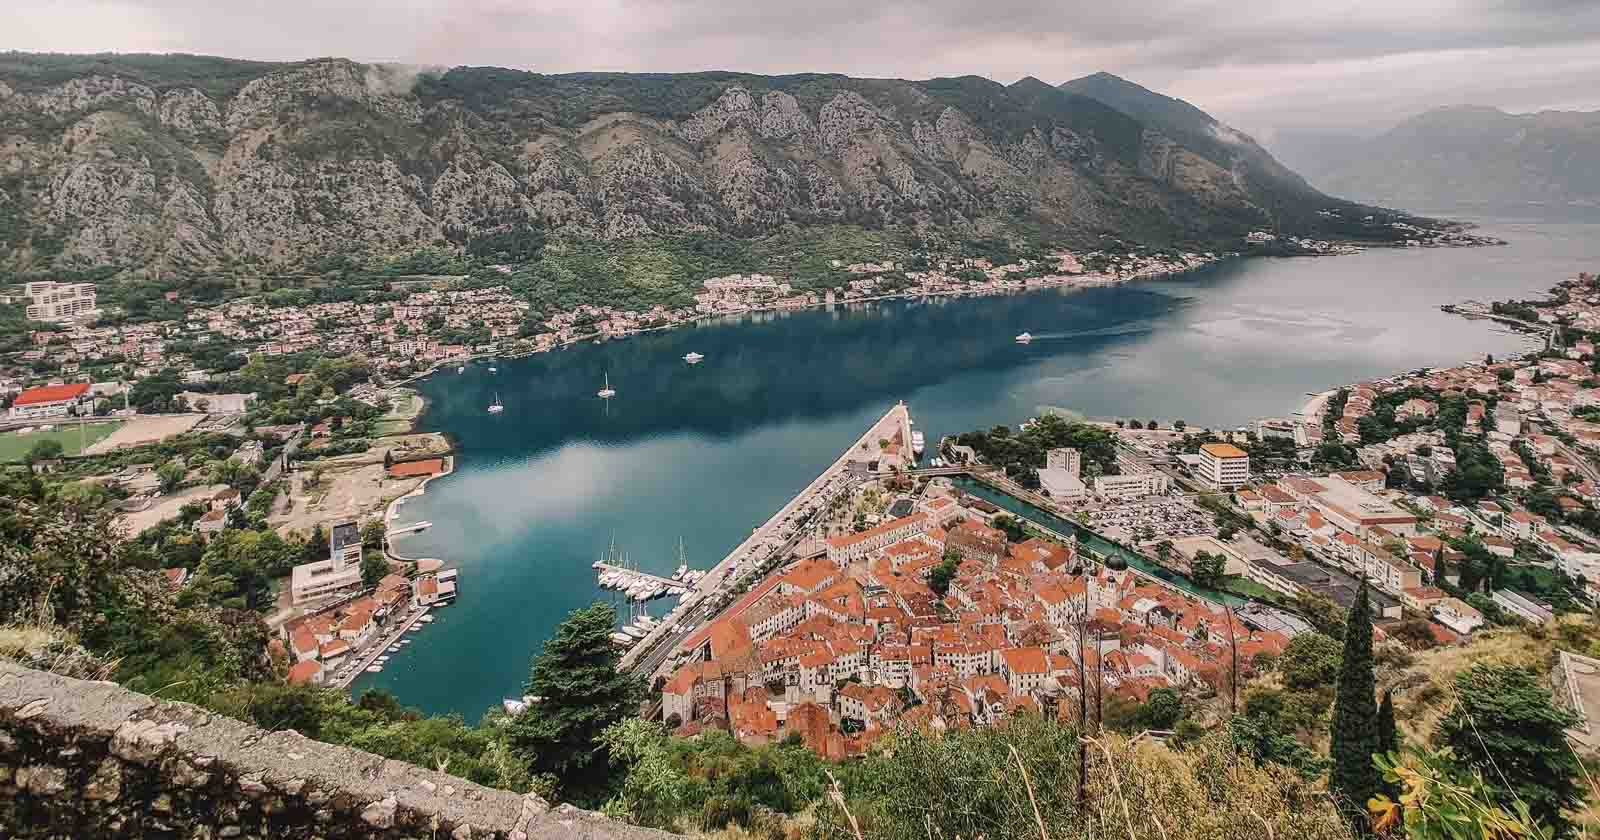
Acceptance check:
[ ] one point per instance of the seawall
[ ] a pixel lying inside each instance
(91, 759)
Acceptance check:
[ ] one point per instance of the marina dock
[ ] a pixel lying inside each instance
(634, 577)
(371, 653)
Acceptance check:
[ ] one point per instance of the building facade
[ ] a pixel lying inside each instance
(60, 303)
(1224, 466)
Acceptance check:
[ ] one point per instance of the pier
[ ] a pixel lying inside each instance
(371, 653)
(634, 577)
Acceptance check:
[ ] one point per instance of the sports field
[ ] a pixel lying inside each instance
(14, 446)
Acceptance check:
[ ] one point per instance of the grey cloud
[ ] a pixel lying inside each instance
(1264, 65)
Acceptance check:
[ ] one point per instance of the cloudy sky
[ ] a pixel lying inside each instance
(1265, 66)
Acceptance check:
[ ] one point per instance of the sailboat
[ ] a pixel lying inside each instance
(496, 407)
(607, 392)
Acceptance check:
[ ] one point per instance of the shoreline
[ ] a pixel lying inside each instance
(1063, 281)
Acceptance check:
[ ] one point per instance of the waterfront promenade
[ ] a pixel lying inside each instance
(723, 576)
(371, 653)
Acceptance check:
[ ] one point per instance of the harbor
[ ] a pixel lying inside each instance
(769, 543)
(707, 451)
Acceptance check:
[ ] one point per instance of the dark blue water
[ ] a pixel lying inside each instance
(705, 453)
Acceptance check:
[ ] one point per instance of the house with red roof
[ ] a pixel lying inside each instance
(307, 671)
(51, 401)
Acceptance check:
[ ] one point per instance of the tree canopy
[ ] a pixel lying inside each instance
(580, 692)
(1505, 725)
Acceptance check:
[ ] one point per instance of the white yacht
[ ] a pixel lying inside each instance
(494, 370)
(917, 443)
(496, 407)
(1024, 338)
(693, 358)
(607, 392)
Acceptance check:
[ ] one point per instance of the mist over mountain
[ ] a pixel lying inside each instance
(1466, 155)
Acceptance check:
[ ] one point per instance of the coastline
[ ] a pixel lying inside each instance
(1060, 281)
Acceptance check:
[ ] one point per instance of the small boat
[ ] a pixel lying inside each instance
(494, 370)
(693, 358)
(373, 669)
(917, 441)
(607, 392)
(497, 406)
(383, 659)
(427, 619)
(461, 369)
(1021, 339)
(682, 570)
(634, 632)
(622, 639)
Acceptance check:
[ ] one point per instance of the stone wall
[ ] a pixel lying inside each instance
(83, 759)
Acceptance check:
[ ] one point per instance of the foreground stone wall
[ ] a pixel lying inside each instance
(83, 759)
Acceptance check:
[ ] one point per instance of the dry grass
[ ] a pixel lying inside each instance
(1428, 682)
(45, 647)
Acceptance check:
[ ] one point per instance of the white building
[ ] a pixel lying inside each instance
(60, 302)
(1224, 466)
(1060, 476)
(1523, 607)
(341, 571)
(51, 401)
(1116, 488)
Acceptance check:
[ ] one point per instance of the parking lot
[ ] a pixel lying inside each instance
(1151, 520)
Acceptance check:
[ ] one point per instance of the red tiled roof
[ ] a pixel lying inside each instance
(407, 469)
(51, 393)
(302, 672)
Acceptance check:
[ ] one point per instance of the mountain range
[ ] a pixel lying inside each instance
(1464, 156)
(159, 164)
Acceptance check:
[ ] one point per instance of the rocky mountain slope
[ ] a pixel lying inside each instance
(1473, 155)
(168, 164)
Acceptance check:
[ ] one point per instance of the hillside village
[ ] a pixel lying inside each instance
(402, 334)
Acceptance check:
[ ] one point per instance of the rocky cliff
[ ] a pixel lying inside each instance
(89, 759)
(182, 162)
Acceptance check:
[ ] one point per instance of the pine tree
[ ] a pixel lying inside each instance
(1354, 778)
(1506, 726)
(580, 693)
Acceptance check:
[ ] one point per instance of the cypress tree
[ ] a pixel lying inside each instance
(1388, 731)
(1388, 738)
(1354, 778)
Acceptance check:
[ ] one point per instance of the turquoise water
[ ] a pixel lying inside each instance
(707, 452)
